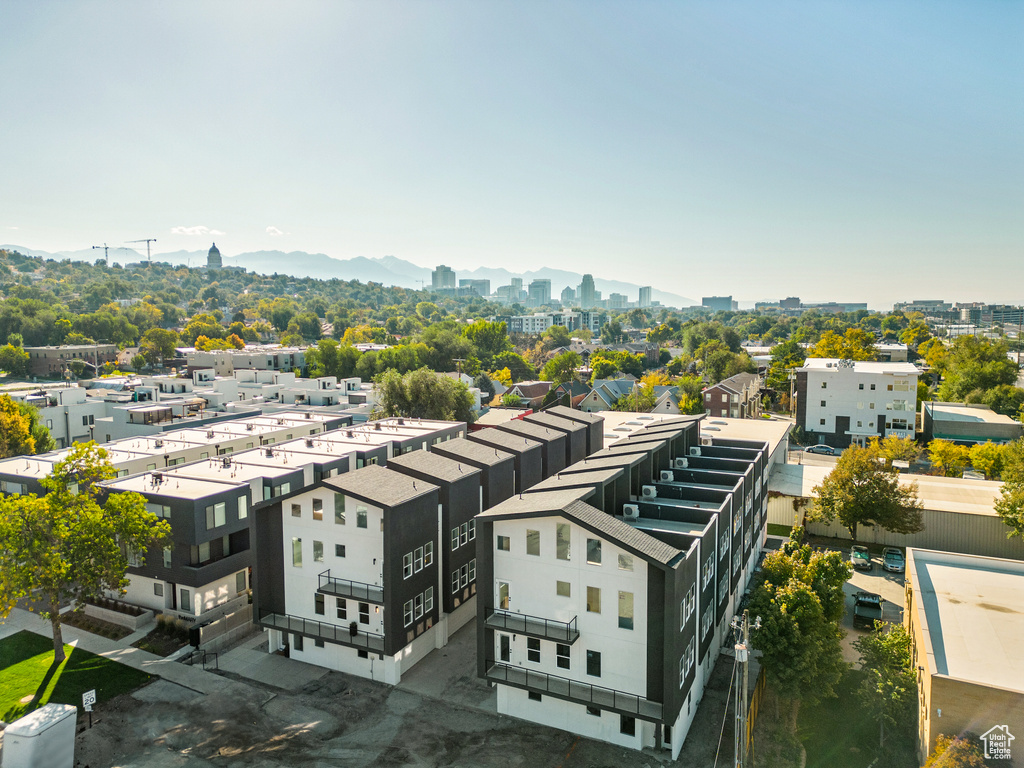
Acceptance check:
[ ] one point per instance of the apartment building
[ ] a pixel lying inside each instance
(55, 362)
(608, 588)
(737, 397)
(844, 402)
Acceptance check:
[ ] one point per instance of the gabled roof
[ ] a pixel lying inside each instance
(434, 465)
(574, 415)
(472, 451)
(531, 430)
(504, 440)
(380, 486)
(554, 421)
(567, 504)
(531, 389)
(738, 383)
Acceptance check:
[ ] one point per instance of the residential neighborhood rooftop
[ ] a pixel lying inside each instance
(379, 486)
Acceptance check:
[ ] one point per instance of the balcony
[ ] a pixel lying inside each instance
(353, 590)
(331, 633)
(574, 690)
(533, 626)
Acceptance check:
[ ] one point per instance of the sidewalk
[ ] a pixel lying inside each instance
(250, 659)
(121, 651)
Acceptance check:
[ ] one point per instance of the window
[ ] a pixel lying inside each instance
(464, 575)
(472, 569)
(625, 562)
(594, 663)
(167, 557)
(533, 650)
(707, 620)
(707, 571)
(318, 643)
(596, 711)
(871, 406)
(472, 530)
(824, 385)
(339, 550)
(297, 642)
(296, 510)
(464, 534)
(725, 398)
(687, 605)
(455, 581)
(625, 610)
(593, 599)
(534, 696)
(318, 604)
(243, 507)
(888, 387)
(418, 602)
(360, 517)
(318, 551)
(240, 581)
(185, 601)
(627, 725)
(593, 551)
(504, 543)
(160, 510)
(204, 552)
(686, 662)
(563, 589)
(407, 565)
(339, 509)
(821, 422)
(562, 538)
(533, 542)
(428, 600)
(318, 509)
(407, 612)
(215, 515)
(341, 608)
(860, 386)
(561, 656)
(872, 387)
(158, 589)
(297, 552)
(417, 564)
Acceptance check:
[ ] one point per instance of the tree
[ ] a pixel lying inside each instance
(485, 385)
(511, 401)
(948, 457)
(861, 491)
(561, 368)
(973, 366)
(13, 360)
(489, 339)
(855, 344)
(516, 364)
(987, 458)
(69, 545)
(159, 344)
(889, 687)
(641, 399)
(956, 752)
(556, 336)
(40, 434)
(799, 643)
(895, 448)
(15, 430)
(1010, 505)
(422, 394)
(785, 357)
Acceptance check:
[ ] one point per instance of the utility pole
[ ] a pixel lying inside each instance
(741, 745)
(458, 362)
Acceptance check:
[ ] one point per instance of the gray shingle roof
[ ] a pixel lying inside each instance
(505, 440)
(596, 475)
(472, 451)
(573, 415)
(380, 486)
(534, 431)
(603, 460)
(434, 465)
(555, 422)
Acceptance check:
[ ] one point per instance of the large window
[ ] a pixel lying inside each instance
(243, 507)
(318, 551)
(562, 540)
(625, 610)
(407, 612)
(562, 656)
(185, 601)
(339, 509)
(360, 517)
(318, 604)
(428, 554)
(625, 562)
(318, 509)
(533, 542)
(417, 564)
(407, 565)
(593, 599)
(594, 663)
(418, 602)
(504, 543)
(341, 608)
(215, 515)
(533, 650)
(297, 552)
(593, 551)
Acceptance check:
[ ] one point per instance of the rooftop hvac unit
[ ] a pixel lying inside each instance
(250, 427)
(209, 434)
(270, 453)
(309, 442)
(667, 476)
(648, 491)
(159, 443)
(681, 463)
(631, 511)
(225, 462)
(694, 451)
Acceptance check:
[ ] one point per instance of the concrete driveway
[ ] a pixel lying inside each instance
(888, 585)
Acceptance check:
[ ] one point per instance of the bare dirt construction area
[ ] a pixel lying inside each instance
(336, 720)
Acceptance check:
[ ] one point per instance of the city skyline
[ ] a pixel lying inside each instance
(866, 153)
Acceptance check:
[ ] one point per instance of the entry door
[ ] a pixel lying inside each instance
(503, 598)
(505, 648)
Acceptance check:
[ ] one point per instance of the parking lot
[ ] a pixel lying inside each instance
(888, 585)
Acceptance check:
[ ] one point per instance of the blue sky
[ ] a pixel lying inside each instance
(869, 151)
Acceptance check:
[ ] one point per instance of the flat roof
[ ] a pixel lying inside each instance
(174, 485)
(669, 526)
(501, 415)
(860, 366)
(961, 412)
(973, 615)
(235, 471)
(772, 431)
(943, 494)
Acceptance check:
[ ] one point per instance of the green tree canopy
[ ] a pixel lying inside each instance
(16, 437)
(973, 366)
(889, 687)
(423, 394)
(854, 344)
(561, 368)
(71, 544)
(861, 491)
(488, 340)
(960, 751)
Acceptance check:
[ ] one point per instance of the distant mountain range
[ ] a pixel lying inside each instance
(388, 270)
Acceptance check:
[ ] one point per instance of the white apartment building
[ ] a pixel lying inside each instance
(843, 402)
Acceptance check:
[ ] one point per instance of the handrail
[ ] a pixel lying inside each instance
(350, 635)
(357, 590)
(521, 623)
(576, 690)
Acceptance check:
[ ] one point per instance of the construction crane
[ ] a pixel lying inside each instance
(147, 241)
(106, 256)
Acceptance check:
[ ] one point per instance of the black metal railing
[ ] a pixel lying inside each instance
(593, 695)
(356, 590)
(332, 633)
(536, 626)
(207, 658)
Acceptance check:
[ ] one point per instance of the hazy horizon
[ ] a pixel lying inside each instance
(867, 152)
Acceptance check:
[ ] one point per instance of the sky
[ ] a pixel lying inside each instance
(868, 151)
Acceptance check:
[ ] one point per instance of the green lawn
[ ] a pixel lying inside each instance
(777, 529)
(27, 670)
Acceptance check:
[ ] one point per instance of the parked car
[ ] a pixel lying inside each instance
(867, 609)
(892, 560)
(860, 558)
(822, 449)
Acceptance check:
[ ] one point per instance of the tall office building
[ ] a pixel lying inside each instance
(516, 284)
(540, 293)
(442, 277)
(481, 288)
(587, 297)
(717, 303)
(645, 297)
(568, 296)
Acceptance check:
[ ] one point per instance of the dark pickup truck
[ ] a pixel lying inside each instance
(867, 609)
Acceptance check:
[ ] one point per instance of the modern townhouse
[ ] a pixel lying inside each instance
(526, 454)
(553, 450)
(497, 467)
(844, 402)
(594, 424)
(576, 434)
(737, 397)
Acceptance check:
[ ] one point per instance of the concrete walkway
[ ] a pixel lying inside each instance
(250, 659)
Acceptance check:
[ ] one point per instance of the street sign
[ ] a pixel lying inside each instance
(88, 699)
